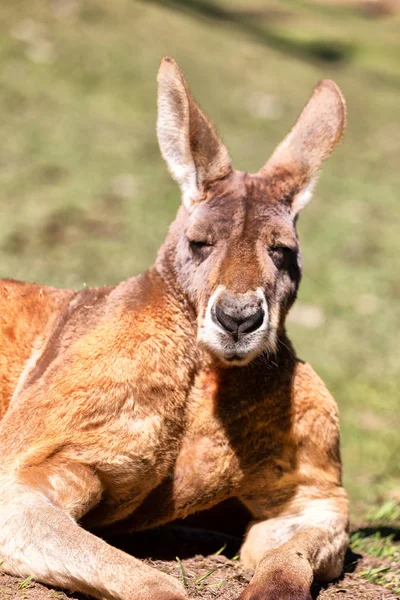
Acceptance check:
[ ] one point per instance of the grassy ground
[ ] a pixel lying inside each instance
(86, 199)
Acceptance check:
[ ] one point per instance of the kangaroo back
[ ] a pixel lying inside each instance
(27, 312)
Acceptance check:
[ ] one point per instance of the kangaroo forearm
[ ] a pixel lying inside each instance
(323, 549)
(40, 540)
(307, 540)
(288, 571)
(326, 522)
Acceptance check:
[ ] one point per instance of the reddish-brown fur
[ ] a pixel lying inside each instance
(128, 407)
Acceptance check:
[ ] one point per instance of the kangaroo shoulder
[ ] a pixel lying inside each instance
(315, 411)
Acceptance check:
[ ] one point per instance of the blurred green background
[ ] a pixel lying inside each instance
(86, 199)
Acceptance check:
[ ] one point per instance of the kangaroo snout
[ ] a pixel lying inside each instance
(238, 314)
(237, 324)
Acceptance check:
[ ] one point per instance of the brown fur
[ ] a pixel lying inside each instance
(120, 414)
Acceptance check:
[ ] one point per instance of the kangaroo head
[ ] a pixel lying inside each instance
(233, 248)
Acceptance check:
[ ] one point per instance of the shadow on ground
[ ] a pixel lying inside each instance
(213, 554)
(383, 531)
(248, 22)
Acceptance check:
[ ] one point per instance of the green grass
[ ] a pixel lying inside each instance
(375, 545)
(386, 548)
(200, 583)
(183, 571)
(86, 198)
(25, 583)
(387, 514)
(383, 576)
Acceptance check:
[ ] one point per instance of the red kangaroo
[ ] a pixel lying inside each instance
(177, 389)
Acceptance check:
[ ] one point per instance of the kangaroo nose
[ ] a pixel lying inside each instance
(236, 324)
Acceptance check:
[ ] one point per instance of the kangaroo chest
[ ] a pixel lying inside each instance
(221, 452)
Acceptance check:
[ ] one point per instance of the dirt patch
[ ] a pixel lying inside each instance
(209, 576)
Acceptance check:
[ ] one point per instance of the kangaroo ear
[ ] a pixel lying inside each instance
(296, 161)
(188, 142)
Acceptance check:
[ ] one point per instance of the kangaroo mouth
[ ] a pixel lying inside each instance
(234, 358)
(236, 328)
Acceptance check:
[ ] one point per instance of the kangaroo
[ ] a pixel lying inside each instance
(131, 406)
